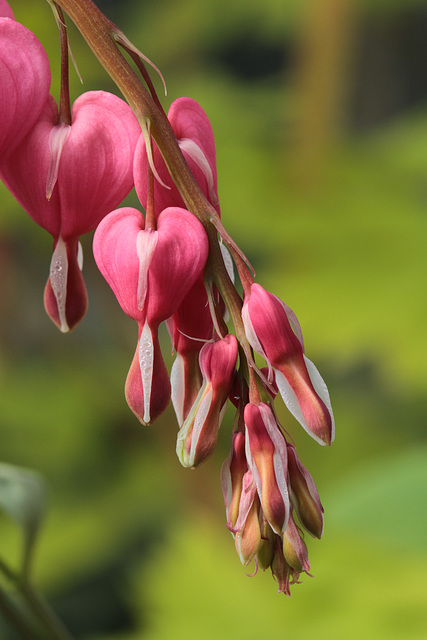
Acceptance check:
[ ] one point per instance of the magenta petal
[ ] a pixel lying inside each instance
(95, 171)
(177, 263)
(190, 125)
(115, 252)
(269, 326)
(26, 170)
(5, 10)
(171, 267)
(25, 82)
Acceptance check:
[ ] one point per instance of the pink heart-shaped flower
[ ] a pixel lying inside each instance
(195, 137)
(150, 271)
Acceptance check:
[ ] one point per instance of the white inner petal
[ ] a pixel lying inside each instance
(57, 139)
(146, 363)
(321, 390)
(291, 401)
(58, 279)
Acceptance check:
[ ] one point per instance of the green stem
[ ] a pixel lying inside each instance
(49, 625)
(13, 615)
(45, 615)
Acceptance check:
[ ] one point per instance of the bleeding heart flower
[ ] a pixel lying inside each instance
(25, 81)
(150, 272)
(273, 331)
(68, 177)
(195, 138)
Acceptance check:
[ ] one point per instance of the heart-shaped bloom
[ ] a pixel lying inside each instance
(150, 272)
(68, 177)
(274, 332)
(194, 134)
(25, 81)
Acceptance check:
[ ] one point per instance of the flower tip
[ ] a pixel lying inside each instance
(65, 295)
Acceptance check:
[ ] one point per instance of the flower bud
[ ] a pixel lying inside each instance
(248, 537)
(294, 548)
(194, 135)
(305, 495)
(233, 471)
(280, 569)
(267, 458)
(198, 435)
(274, 332)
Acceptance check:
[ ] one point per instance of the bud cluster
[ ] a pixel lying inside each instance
(170, 264)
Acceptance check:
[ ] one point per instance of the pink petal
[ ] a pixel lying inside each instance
(177, 263)
(95, 172)
(190, 123)
(5, 10)
(25, 82)
(115, 253)
(26, 170)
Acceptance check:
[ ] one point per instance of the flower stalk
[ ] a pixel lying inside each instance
(102, 36)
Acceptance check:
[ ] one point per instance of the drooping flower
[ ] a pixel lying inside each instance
(198, 434)
(191, 327)
(68, 177)
(25, 81)
(150, 272)
(267, 457)
(305, 496)
(274, 332)
(195, 138)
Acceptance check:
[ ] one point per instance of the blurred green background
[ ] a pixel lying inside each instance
(319, 109)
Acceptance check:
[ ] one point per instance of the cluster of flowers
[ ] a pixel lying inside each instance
(70, 177)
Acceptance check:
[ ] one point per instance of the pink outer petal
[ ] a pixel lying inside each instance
(115, 252)
(188, 121)
(267, 458)
(177, 263)
(218, 362)
(5, 10)
(25, 172)
(95, 172)
(25, 82)
(268, 328)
